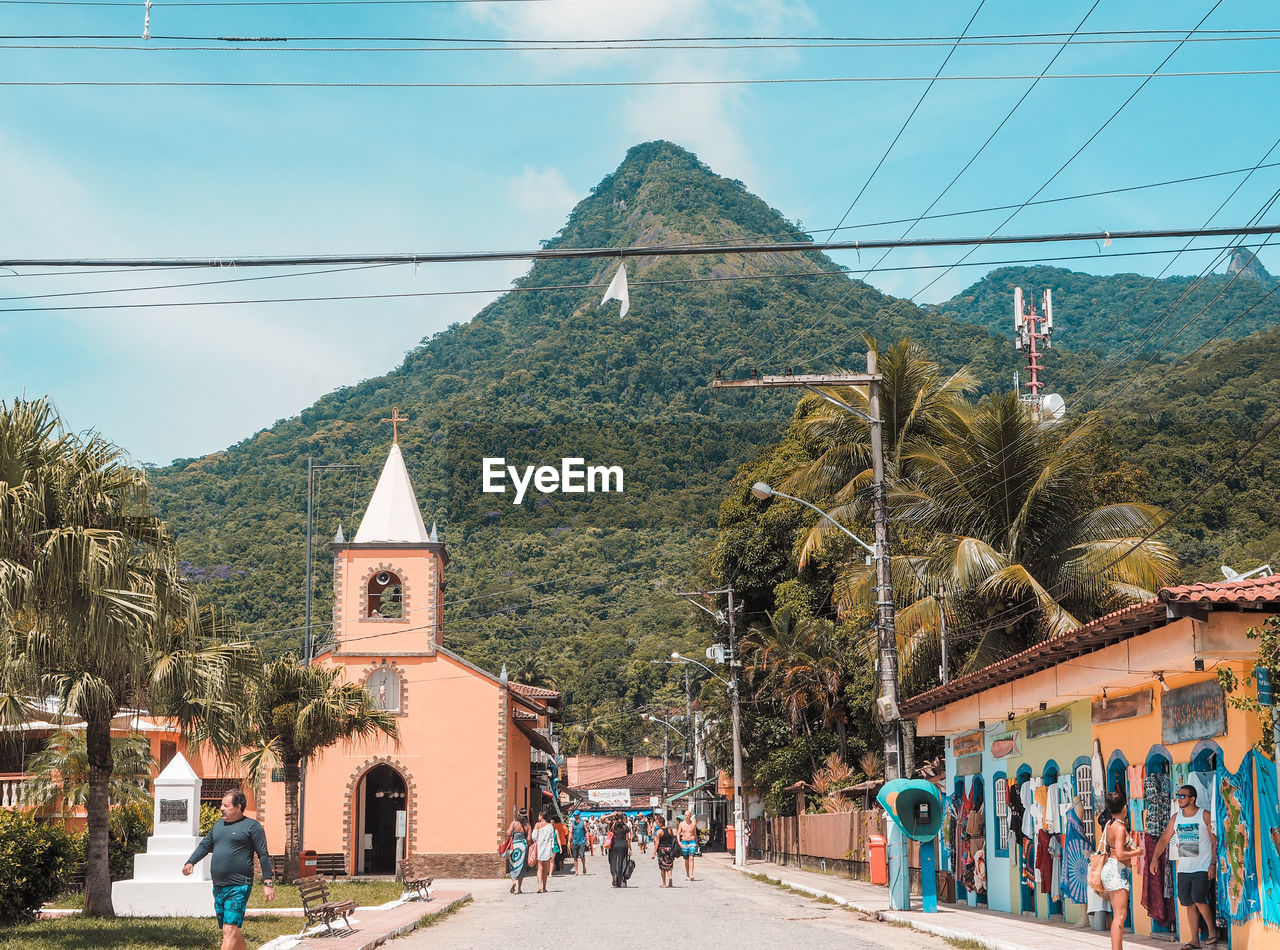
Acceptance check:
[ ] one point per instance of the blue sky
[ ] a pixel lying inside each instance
(125, 171)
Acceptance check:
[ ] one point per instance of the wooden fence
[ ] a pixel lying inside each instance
(836, 842)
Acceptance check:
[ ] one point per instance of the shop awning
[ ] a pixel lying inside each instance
(536, 739)
(703, 784)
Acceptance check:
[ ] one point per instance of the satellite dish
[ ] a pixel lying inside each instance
(1054, 405)
(1230, 574)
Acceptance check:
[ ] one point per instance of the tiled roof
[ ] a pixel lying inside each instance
(648, 782)
(1111, 628)
(535, 692)
(1252, 590)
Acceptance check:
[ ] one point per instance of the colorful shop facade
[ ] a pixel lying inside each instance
(1131, 701)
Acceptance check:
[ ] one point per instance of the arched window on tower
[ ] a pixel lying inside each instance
(386, 596)
(384, 686)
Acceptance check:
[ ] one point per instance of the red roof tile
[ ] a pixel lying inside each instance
(534, 692)
(648, 782)
(1251, 590)
(1108, 629)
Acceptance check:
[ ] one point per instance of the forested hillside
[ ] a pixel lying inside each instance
(583, 583)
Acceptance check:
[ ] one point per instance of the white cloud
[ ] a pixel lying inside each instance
(700, 118)
(541, 193)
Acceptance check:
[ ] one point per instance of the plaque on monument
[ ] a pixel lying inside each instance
(173, 809)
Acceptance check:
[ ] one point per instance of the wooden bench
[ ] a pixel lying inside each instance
(318, 908)
(334, 864)
(413, 874)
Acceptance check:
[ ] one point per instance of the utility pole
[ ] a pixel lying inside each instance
(690, 740)
(887, 704)
(944, 671)
(735, 664)
(308, 642)
(886, 636)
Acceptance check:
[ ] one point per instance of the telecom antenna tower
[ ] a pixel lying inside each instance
(1033, 334)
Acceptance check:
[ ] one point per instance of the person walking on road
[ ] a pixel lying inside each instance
(1120, 851)
(642, 834)
(544, 845)
(619, 851)
(1192, 830)
(665, 847)
(562, 839)
(580, 835)
(518, 850)
(233, 841)
(688, 831)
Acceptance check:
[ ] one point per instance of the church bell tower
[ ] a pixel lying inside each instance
(388, 582)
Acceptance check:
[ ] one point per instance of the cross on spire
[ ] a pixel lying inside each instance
(395, 421)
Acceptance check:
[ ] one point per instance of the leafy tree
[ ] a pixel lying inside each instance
(291, 713)
(1010, 525)
(93, 612)
(59, 773)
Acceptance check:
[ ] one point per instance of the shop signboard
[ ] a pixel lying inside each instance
(1115, 708)
(1191, 713)
(1004, 746)
(1050, 724)
(610, 797)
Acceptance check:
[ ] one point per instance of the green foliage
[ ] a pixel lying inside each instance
(59, 773)
(39, 859)
(210, 815)
(130, 826)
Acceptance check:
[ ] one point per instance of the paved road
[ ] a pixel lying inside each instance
(722, 909)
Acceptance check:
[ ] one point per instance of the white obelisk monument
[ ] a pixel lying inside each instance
(158, 888)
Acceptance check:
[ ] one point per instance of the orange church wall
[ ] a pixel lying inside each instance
(448, 753)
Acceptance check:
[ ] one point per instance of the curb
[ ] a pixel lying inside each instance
(889, 916)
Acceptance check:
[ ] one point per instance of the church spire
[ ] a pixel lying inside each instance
(393, 513)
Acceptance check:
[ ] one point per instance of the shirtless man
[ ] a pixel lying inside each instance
(688, 831)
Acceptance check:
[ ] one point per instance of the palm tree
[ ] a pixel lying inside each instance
(588, 736)
(59, 773)
(293, 712)
(533, 671)
(920, 407)
(802, 663)
(1008, 512)
(93, 612)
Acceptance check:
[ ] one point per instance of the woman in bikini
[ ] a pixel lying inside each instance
(1121, 852)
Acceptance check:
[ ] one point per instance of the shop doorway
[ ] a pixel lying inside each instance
(383, 799)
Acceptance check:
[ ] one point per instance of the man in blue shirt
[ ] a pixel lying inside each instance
(579, 844)
(233, 841)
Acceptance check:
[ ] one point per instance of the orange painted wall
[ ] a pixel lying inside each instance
(448, 749)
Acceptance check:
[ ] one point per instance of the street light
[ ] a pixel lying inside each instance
(666, 751)
(763, 491)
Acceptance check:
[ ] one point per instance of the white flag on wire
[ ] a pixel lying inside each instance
(618, 290)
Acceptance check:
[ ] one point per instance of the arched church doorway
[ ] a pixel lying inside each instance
(383, 800)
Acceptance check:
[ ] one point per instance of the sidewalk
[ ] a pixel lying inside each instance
(985, 928)
(374, 926)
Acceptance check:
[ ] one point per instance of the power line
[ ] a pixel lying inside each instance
(795, 275)
(658, 250)
(967, 165)
(437, 45)
(605, 84)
